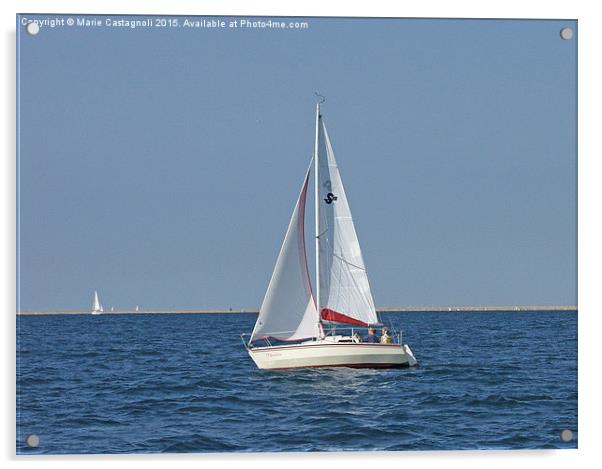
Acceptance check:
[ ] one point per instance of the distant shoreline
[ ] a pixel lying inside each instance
(384, 309)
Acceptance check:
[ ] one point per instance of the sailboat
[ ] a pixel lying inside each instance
(96, 306)
(294, 328)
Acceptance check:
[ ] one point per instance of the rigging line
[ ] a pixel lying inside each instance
(339, 285)
(365, 270)
(346, 283)
(343, 286)
(328, 280)
(366, 296)
(349, 263)
(329, 267)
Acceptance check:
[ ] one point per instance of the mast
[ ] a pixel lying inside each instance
(317, 217)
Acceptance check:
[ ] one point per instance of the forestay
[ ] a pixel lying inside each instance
(345, 294)
(288, 311)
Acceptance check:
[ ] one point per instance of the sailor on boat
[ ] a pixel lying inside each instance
(385, 338)
(371, 337)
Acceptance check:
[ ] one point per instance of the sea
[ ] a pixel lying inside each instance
(170, 383)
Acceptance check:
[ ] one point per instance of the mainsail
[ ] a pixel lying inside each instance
(288, 311)
(344, 290)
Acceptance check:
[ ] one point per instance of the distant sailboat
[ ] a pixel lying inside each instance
(294, 329)
(96, 305)
(137, 308)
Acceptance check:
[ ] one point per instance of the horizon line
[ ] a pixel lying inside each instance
(382, 309)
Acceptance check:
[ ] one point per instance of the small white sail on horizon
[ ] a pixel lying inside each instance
(96, 305)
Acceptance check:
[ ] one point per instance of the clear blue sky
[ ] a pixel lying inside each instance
(160, 166)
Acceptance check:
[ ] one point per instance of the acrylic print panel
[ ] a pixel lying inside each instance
(161, 164)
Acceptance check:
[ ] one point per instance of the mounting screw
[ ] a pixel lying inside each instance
(566, 33)
(32, 28)
(32, 441)
(566, 435)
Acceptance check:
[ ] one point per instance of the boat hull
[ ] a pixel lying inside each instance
(321, 355)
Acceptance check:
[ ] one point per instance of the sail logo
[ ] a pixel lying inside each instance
(330, 198)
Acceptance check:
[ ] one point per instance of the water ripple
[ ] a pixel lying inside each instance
(150, 383)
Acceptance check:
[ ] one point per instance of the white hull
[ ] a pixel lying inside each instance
(323, 354)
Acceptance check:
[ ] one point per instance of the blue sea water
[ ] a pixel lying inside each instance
(184, 383)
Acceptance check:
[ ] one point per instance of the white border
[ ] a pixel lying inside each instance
(590, 77)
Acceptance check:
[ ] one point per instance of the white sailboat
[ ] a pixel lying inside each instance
(294, 329)
(96, 305)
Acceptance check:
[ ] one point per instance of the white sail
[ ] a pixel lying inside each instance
(345, 294)
(288, 311)
(96, 306)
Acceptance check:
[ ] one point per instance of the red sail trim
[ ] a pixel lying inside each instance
(331, 315)
(301, 239)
